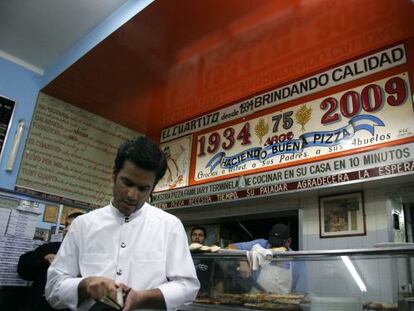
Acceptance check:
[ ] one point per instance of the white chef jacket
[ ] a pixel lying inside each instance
(149, 250)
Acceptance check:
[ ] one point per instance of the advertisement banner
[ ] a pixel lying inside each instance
(178, 153)
(366, 166)
(351, 71)
(367, 117)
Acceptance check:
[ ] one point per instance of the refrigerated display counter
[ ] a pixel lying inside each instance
(378, 278)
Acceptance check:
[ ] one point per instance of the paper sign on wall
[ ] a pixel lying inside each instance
(70, 154)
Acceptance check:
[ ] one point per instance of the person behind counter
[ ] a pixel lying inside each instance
(33, 265)
(291, 277)
(128, 244)
(202, 267)
(206, 268)
(198, 235)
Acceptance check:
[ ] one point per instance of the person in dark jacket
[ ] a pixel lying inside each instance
(33, 266)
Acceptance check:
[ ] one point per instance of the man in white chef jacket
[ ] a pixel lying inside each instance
(128, 244)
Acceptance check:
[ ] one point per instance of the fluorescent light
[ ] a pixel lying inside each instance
(15, 146)
(354, 273)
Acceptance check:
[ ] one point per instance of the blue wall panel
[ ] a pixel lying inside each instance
(22, 86)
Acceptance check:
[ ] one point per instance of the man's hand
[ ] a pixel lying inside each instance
(49, 258)
(96, 287)
(244, 269)
(152, 299)
(132, 300)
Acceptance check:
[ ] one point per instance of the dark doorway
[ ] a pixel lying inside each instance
(248, 227)
(241, 230)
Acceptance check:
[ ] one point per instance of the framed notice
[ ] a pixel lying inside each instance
(51, 213)
(6, 113)
(342, 215)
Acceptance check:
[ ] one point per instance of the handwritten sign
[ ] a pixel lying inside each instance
(6, 112)
(375, 114)
(70, 153)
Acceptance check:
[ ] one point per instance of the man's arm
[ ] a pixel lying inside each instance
(244, 267)
(95, 288)
(31, 264)
(63, 275)
(182, 285)
(143, 299)
(247, 246)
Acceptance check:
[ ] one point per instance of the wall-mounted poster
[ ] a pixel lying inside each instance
(6, 113)
(178, 154)
(342, 215)
(69, 154)
(351, 71)
(51, 213)
(366, 117)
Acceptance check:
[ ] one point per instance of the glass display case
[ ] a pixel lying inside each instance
(344, 280)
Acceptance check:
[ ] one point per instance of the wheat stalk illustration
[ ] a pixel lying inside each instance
(302, 116)
(261, 129)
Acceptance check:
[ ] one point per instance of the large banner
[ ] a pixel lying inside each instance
(351, 71)
(366, 166)
(367, 117)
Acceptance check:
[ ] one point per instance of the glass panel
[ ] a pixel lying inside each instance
(371, 281)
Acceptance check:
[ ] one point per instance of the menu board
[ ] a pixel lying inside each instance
(69, 154)
(6, 112)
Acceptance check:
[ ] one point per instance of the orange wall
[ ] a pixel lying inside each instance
(278, 43)
(180, 59)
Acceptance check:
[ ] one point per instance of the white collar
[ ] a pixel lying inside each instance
(114, 211)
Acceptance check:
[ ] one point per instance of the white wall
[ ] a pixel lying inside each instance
(331, 278)
(376, 224)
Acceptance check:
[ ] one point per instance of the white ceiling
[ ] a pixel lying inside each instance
(34, 33)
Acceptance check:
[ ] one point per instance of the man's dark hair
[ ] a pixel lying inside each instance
(144, 153)
(74, 215)
(199, 228)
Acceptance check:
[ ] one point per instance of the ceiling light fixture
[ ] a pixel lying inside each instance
(15, 147)
(354, 273)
